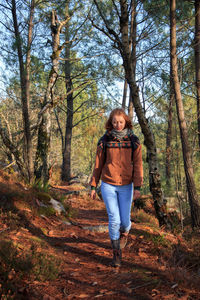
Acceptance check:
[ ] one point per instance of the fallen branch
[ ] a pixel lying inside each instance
(9, 165)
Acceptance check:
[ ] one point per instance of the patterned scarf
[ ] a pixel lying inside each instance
(120, 134)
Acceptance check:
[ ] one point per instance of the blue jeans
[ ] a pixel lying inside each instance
(118, 201)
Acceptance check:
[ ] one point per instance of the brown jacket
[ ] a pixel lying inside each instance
(120, 168)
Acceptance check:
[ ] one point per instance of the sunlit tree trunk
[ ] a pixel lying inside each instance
(124, 94)
(154, 176)
(66, 165)
(191, 188)
(197, 62)
(25, 83)
(13, 150)
(122, 42)
(169, 132)
(42, 163)
(132, 49)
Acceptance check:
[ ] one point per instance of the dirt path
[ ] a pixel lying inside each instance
(86, 256)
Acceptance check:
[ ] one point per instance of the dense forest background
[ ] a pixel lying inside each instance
(66, 64)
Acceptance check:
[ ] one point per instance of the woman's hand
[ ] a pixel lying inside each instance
(92, 194)
(136, 194)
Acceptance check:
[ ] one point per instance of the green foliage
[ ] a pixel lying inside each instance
(40, 186)
(159, 240)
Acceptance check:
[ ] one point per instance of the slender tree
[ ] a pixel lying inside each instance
(124, 94)
(191, 188)
(66, 165)
(122, 43)
(12, 149)
(169, 130)
(24, 67)
(197, 62)
(132, 48)
(42, 164)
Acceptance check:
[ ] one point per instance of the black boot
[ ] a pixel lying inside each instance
(117, 253)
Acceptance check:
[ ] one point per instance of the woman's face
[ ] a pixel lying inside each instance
(118, 122)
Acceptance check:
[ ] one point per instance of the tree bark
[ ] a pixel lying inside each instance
(149, 140)
(132, 48)
(25, 82)
(124, 94)
(13, 150)
(42, 164)
(169, 131)
(66, 165)
(122, 43)
(191, 188)
(197, 62)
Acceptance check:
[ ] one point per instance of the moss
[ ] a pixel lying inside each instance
(43, 197)
(47, 211)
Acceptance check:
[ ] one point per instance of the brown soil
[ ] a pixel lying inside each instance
(86, 255)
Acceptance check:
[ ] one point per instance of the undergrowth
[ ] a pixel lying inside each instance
(140, 216)
(17, 263)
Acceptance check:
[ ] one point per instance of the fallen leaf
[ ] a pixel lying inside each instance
(142, 254)
(174, 286)
(83, 296)
(70, 282)
(73, 235)
(154, 292)
(109, 293)
(103, 291)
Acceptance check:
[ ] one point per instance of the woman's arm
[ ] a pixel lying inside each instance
(99, 162)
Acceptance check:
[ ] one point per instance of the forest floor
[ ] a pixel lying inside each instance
(71, 260)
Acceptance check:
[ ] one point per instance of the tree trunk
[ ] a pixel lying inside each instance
(192, 193)
(197, 62)
(42, 164)
(124, 95)
(130, 107)
(24, 82)
(27, 81)
(149, 141)
(169, 132)
(132, 49)
(13, 150)
(123, 45)
(66, 165)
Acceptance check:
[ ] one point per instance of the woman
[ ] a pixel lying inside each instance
(119, 165)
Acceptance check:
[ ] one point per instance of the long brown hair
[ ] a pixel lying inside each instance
(119, 112)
